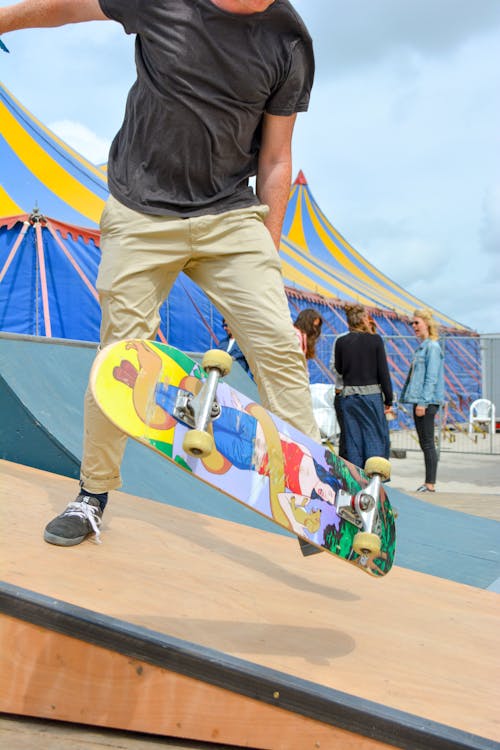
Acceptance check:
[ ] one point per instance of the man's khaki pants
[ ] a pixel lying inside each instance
(232, 257)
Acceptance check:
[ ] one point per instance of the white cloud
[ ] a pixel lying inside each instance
(363, 33)
(82, 139)
(409, 154)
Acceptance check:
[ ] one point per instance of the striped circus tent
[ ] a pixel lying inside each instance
(318, 259)
(48, 271)
(38, 170)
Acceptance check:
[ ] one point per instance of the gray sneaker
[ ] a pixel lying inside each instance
(81, 518)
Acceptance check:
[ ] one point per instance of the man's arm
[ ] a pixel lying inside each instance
(32, 14)
(274, 174)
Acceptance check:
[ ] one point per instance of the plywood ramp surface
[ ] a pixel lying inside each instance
(412, 642)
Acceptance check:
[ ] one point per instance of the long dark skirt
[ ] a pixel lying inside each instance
(337, 405)
(366, 432)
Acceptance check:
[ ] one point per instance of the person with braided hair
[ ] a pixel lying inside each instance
(367, 395)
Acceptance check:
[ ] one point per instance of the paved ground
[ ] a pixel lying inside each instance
(465, 466)
(466, 482)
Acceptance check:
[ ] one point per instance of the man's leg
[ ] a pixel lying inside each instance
(141, 257)
(235, 261)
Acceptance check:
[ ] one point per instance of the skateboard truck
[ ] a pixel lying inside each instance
(188, 408)
(362, 508)
(198, 411)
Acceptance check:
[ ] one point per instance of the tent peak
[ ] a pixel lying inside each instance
(300, 179)
(36, 216)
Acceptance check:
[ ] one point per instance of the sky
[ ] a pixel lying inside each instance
(400, 146)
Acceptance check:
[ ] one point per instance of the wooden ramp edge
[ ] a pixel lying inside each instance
(73, 664)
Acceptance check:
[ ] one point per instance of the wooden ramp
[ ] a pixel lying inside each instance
(43, 431)
(186, 626)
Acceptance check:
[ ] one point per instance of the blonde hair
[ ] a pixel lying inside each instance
(429, 321)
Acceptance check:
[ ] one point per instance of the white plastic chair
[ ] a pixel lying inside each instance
(482, 414)
(324, 413)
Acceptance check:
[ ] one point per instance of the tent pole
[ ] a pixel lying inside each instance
(73, 262)
(43, 279)
(15, 247)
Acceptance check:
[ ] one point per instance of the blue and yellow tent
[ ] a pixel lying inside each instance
(48, 271)
(38, 170)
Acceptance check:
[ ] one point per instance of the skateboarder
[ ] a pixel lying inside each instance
(219, 84)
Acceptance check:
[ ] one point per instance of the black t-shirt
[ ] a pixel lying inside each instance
(191, 134)
(361, 360)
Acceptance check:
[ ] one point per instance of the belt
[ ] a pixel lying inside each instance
(361, 390)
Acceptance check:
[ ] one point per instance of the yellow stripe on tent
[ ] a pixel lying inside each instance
(329, 272)
(307, 282)
(53, 137)
(303, 282)
(48, 171)
(296, 231)
(8, 207)
(311, 284)
(353, 289)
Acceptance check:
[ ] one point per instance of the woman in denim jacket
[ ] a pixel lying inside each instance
(424, 388)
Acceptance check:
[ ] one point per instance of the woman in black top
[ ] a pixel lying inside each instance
(361, 360)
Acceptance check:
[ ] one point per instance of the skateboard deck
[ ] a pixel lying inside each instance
(257, 459)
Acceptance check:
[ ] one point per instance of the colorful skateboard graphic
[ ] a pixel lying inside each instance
(148, 389)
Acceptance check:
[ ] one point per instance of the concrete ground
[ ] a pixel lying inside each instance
(465, 482)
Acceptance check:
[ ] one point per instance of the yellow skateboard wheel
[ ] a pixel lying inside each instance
(217, 359)
(365, 543)
(378, 465)
(198, 444)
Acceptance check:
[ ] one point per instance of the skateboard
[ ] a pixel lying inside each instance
(165, 400)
